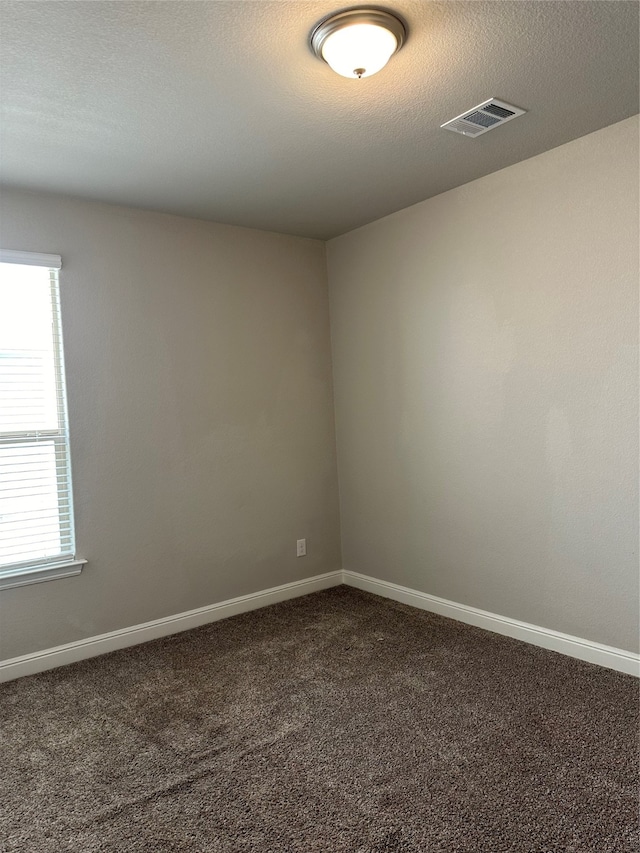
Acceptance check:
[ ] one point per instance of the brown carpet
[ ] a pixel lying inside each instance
(335, 722)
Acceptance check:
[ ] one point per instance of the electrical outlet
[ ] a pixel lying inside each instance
(301, 548)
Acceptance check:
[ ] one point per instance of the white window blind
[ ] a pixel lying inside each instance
(36, 513)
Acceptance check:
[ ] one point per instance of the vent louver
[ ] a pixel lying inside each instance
(484, 117)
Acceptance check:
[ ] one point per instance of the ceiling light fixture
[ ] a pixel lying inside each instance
(359, 42)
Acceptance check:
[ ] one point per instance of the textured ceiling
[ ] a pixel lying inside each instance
(219, 110)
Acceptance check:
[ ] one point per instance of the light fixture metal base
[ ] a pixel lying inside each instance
(360, 15)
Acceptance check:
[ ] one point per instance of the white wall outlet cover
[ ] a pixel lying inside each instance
(301, 547)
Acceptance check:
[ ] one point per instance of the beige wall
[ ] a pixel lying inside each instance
(486, 391)
(202, 437)
(485, 368)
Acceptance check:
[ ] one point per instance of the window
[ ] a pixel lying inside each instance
(36, 509)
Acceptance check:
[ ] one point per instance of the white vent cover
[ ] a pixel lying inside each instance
(484, 117)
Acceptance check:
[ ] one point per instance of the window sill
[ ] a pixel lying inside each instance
(38, 574)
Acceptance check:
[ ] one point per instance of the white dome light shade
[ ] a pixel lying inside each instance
(359, 50)
(358, 42)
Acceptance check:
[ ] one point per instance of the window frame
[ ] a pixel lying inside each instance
(66, 563)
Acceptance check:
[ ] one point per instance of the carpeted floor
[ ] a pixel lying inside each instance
(335, 722)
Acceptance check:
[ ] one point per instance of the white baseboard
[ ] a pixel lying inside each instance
(607, 656)
(99, 645)
(575, 647)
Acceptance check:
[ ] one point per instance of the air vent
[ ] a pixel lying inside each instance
(484, 117)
